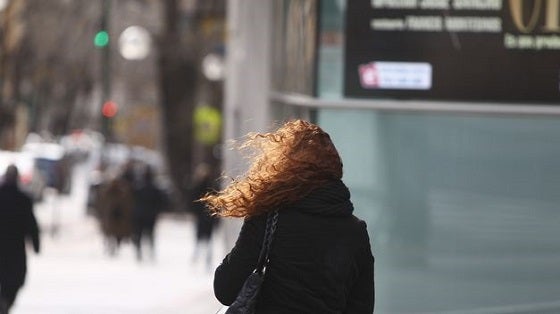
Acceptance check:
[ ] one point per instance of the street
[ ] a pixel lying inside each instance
(73, 273)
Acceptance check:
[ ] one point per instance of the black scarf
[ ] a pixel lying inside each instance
(331, 199)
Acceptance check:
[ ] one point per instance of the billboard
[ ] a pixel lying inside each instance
(503, 51)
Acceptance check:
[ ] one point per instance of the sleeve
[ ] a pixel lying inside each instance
(32, 229)
(362, 295)
(240, 262)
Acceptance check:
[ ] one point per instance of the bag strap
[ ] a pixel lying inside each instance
(271, 222)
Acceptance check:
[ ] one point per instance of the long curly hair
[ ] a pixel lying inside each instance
(285, 165)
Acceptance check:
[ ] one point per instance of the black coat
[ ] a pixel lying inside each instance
(320, 260)
(149, 201)
(17, 223)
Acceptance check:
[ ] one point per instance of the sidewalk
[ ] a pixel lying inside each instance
(74, 275)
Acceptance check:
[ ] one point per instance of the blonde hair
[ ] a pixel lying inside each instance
(285, 166)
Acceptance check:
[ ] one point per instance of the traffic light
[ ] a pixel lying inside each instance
(109, 109)
(101, 39)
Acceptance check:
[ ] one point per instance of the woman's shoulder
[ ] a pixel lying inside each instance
(256, 219)
(361, 231)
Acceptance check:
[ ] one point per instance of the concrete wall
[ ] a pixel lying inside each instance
(246, 103)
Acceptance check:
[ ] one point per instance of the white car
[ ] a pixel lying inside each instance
(53, 164)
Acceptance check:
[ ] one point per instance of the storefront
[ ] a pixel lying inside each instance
(446, 114)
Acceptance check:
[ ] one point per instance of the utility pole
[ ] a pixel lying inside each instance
(102, 41)
(3, 30)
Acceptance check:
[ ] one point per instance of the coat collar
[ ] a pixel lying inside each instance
(331, 199)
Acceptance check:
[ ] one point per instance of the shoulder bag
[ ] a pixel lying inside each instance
(247, 297)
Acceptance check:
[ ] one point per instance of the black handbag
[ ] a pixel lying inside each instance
(247, 297)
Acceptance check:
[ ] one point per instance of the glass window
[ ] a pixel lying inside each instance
(462, 211)
(330, 66)
(294, 46)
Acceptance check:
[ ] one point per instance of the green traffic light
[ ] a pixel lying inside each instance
(101, 39)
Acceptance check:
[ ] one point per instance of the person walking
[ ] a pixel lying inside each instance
(17, 224)
(115, 206)
(203, 182)
(149, 200)
(320, 258)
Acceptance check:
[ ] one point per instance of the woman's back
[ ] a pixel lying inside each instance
(320, 260)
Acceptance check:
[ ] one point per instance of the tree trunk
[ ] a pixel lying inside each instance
(178, 84)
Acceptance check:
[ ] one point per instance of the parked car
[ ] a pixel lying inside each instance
(80, 143)
(54, 165)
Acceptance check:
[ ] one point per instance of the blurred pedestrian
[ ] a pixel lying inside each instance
(203, 182)
(320, 259)
(17, 224)
(149, 201)
(116, 201)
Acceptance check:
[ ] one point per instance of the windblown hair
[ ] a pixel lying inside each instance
(285, 166)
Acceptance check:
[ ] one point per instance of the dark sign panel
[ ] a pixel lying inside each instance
(456, 50)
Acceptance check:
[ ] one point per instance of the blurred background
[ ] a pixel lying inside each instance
(445, 114)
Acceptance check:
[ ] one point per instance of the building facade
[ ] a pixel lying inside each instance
(454, 165)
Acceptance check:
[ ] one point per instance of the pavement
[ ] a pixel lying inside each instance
(73, 273)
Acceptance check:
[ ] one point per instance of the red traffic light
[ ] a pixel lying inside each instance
(109, 109)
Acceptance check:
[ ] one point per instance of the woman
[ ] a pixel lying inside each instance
(116, 203)
(320, 258)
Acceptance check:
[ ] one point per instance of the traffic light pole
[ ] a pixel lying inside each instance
(106, 122)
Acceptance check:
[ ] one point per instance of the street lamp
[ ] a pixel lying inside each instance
(213, 67)
(134, 43)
